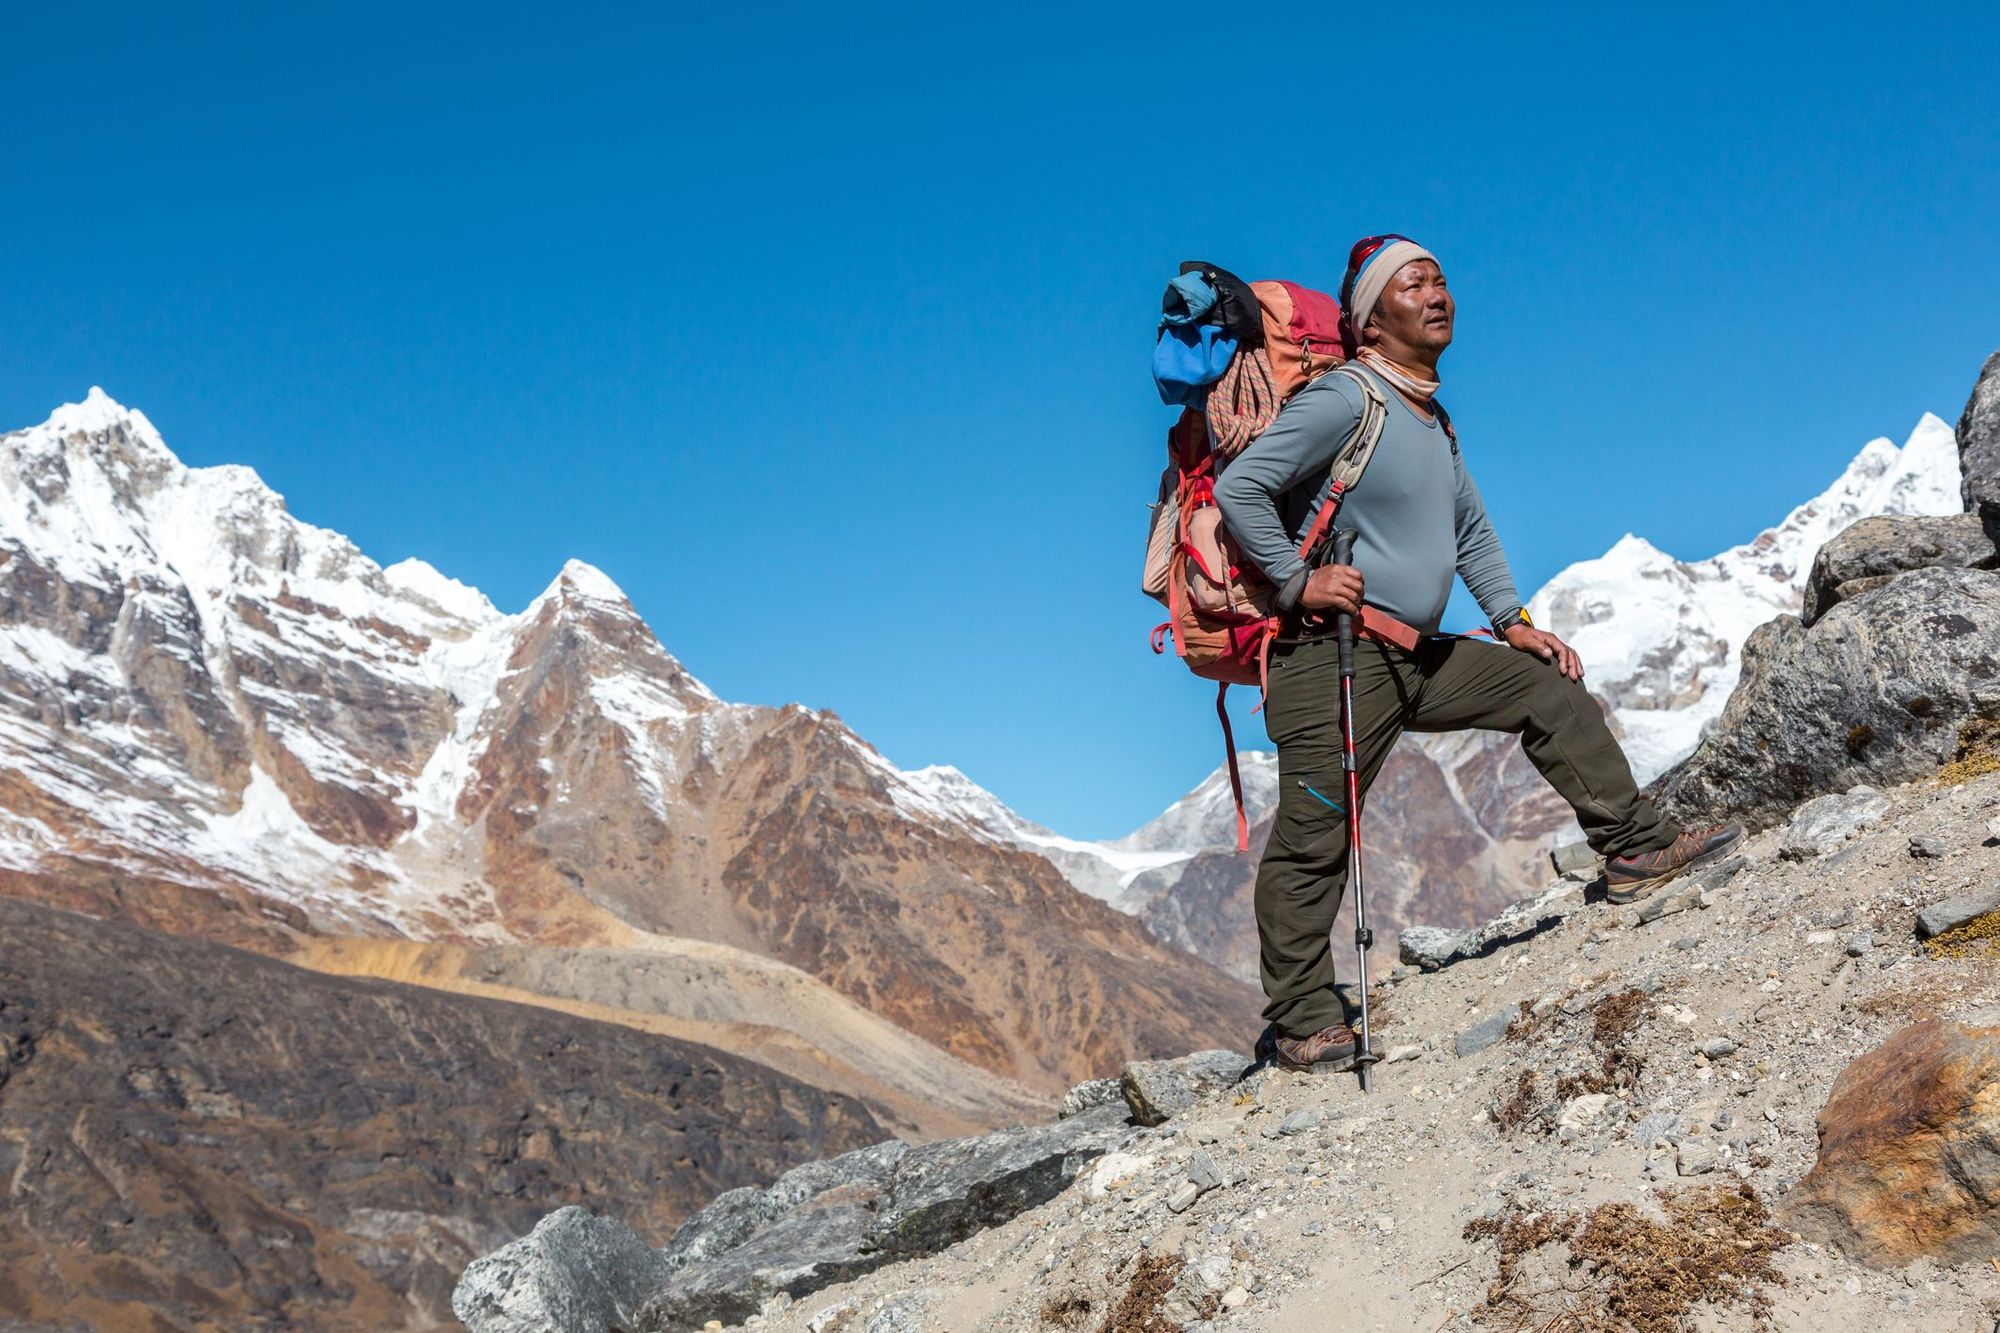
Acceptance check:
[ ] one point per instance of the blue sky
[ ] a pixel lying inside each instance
(824, 330)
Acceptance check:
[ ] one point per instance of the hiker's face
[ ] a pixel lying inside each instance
(1416, 309)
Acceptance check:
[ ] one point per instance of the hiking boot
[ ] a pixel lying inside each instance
(1627, 879)
(1331, 1050)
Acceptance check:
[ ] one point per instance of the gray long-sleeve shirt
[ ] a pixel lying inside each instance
(1417, 516)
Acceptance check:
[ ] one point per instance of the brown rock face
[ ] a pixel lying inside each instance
(199, 1138)
(1909, 1151)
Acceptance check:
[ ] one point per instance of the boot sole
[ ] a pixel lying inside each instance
(1632, 891)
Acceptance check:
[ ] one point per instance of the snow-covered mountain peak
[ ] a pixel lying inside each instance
(97, 414)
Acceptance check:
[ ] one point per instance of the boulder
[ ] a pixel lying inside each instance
(1824, 823)
(1871, 552)
(1873, 693)
(833, 1220)
(1909, 1151)
(574, 1273)
(1158, 1090)
(1979, 448)
(1428, 947)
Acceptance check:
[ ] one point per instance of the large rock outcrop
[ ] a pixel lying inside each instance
(820, 1223)
(1909, 1151)
(196, 1137)
(1875, 550)
(1979, 448)
(1874, 693)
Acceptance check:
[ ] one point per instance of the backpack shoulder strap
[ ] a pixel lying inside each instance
(1353, 458)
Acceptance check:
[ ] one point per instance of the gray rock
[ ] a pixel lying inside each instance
(1182, 1196)
(1717, 1047)
(1859, 943)
(1090, 1095)
(1874, 692)
(1872, 551)
(1940, 917)
(1203, 1173)
(1979, 448)
(900, 1314)
(1928, 849)
(1299, 1121)
(1312, 1228)
(1428, 947)
(1696, 1159)
(1825, 823)
(574, 1273)
(1158, 1090)
(1485, 1033)
(1576, 860)
(1687, 943)
(836, 1219)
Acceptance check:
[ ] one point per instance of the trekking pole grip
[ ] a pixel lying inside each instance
(1343, 554)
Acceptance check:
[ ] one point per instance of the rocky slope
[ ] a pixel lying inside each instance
(1714, 1033)
(222, 722)
(198, 1137)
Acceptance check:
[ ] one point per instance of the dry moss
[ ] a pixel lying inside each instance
(1627, 1271)
(1142, 1306)
(1978, 753)
(1518, 1105)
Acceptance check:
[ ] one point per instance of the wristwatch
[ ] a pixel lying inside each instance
(1518, 616)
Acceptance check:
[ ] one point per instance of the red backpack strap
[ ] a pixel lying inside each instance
(1235, 774)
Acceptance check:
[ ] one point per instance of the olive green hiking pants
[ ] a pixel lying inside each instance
(1445, 684)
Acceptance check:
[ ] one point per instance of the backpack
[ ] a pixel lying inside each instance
(1221, 617)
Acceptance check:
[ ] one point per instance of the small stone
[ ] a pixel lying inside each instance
(1695, 1159)
(1235, 1298)
(1583, 1112)
(1687, 943)
(1928, 849)
(1182, 1196)
(1717, 1047)
(1298, 1122)
(1203, 1173)
(1428, 947)
(1312, 1228)
(1825, 823)
(1859, 943)
(1399, 1054)
(1484, 1034)
(1385, 1223)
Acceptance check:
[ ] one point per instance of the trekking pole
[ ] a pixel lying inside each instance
(1343, 554)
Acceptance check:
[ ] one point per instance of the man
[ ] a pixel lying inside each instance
(1419, 521)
